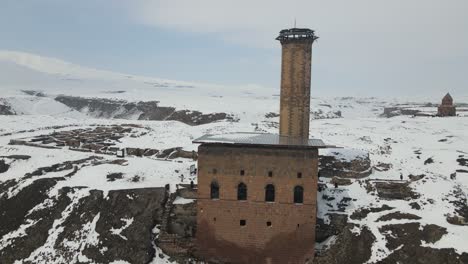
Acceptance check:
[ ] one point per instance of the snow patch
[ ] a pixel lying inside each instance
(181, 200)
(118, 231)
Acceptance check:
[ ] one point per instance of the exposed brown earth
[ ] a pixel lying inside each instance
(337, 224)
(383, 166)
(143, 206)
(100, 140)
(14, 212)
(395, 191)
(178, 226)
(4, 166)
(415, 254)
(411, 234)
(396, 111)
(133, 244)
(16, 157)
(460, 216)
(416, 177)
(462, 161)
(363, 212)
(6, 110)
(398, 216)
(348, 248)
(331, 166)
(340, 181)
(406, 239)
(151, 110)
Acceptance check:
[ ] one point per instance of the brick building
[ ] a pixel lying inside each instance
(447, 108)
(257, 192)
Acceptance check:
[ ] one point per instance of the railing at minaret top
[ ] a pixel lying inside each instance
(297, 34)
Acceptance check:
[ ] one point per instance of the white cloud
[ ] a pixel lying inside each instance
(432, 22)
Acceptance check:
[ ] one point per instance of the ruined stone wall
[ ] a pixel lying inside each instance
(295, 88)
(291, 236)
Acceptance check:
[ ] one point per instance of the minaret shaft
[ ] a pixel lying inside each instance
(295, 82)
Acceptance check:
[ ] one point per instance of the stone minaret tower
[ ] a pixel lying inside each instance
(295, 81)
(257, 192)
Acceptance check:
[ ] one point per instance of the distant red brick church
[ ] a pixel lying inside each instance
(257, 192)
(447, 108)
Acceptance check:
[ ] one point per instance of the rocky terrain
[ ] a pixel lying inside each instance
(393, 191)
(5, 109)
(344, 163)
(149, 110)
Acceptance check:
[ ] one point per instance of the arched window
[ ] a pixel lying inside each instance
(241, 191)
(270, 193)
(298, 194)
(214, 194)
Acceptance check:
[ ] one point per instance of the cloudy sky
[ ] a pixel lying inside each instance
(366, 47)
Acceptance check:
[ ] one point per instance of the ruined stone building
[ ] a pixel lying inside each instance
(256, 191)
(447, 108)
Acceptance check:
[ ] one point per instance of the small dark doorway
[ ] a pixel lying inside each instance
(270, 193)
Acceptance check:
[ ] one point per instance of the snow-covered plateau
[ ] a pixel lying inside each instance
(402, 196)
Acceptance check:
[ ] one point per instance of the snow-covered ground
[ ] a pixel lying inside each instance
(405, 135)
(404, 142)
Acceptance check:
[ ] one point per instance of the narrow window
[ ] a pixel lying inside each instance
(215, 171)
(299, 175)
(268, 223)
(242, 172)
(241, 191)
(214, 190)
(270, 193)
(270, 174)
(298, 194)
(242, 222)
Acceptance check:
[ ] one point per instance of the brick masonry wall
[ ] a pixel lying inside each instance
(291, 236)
(295, 88)
(444, 110)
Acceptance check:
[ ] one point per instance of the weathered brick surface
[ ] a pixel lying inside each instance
(447, 108)
(291, 236)
(295, 88)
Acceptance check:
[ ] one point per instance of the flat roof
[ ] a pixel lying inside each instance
(260, 139)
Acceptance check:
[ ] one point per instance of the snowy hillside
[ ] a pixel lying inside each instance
(50, 77)
(67, 203)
